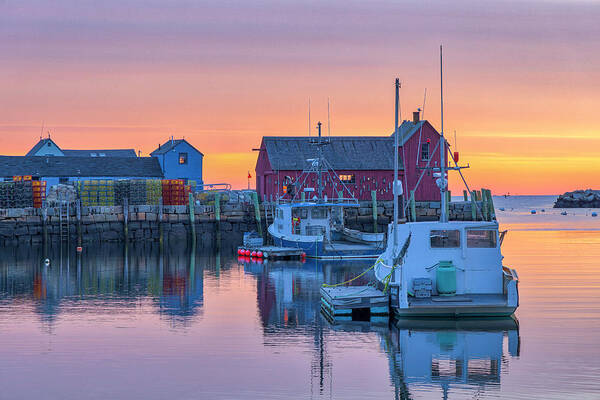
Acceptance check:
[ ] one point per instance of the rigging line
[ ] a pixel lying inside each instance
(467, 186)
(309, 117)
(421, 129)
(336, 175)
(402, 136)
(421, 177)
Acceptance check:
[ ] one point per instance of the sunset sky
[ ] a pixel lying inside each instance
(522, 79)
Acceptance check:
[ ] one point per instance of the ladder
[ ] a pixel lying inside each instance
(63, 214)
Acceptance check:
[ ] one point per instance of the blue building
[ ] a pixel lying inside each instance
(180, 160)
(47, 147)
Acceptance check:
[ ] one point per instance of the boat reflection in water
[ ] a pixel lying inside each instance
(451, 355)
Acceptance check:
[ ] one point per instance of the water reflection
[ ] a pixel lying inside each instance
(446, 354)
(104, 278)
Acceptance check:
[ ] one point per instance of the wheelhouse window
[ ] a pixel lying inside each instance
(279, 213)
(318, 213)
(350, 178)
(299, 213)
(445, 238)
(481, 238)
(425, 152)
(183, 158)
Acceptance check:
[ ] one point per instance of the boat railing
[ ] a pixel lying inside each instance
(336, 200)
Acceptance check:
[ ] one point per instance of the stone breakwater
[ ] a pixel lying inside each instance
(579, 199)
(146, 222)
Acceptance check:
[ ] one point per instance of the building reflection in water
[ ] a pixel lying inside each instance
(105, 277)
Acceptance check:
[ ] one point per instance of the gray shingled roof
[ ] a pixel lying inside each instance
(407, 129)
(97, 153)
(39, 145)
(169, 145)
(49, 166)
(343, 152)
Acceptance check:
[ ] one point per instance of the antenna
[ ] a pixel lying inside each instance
(443, 182)
(422, 117)
(395, 184)
(42, 130)
(455, 145)
(328, 119)
(309, 126)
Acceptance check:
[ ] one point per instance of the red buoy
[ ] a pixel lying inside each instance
(259, 254)
(247, 253)
(79, 249)
(253, 254)
(456, 156)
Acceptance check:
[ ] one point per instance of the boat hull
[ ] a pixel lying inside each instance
(318, 250)
(455, 312)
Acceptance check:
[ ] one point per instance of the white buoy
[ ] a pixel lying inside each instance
(47, 262)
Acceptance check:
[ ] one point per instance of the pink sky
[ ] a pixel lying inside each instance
(521, 79)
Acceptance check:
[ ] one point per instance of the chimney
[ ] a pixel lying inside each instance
(159, 146)
(416, 117)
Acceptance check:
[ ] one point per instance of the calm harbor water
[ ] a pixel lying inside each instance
(205, 325)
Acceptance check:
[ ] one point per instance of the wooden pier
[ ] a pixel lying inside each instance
(351, 303)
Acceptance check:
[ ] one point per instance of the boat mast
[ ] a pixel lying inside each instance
(443, 182)
(395, 181)
(320, 146)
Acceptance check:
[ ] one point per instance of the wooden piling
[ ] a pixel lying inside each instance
(448, 201)
(45, 231)
(491, 205)
(303, 197)
(465, 195)
(484, 205)
(374, 205)
(161, 228)
(125, 218)
(192, 219)
(79, 233)
(218, 207)
(474, 205)
(257, 213)
(413, 207)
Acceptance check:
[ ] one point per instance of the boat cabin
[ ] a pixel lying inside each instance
(471, 248)
(310, 219)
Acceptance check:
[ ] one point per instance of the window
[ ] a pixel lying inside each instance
(348, 178)
(92, 154)
(102, 155)
(445, 238)
(301, 213)
(481, 238)
(279, 213)
(318, 213)
(182, 158)
(425, 152)
(49, 144)
(63, 180)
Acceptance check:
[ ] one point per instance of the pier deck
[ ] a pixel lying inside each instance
(349, 303)
(276, 252)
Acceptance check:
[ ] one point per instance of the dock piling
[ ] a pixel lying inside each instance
(374, 205)
(484, 205)
(465, 195)
(79, 238)
(413, 207)
(474, 205)
(161, 228)
(125, 218)
(192, 218)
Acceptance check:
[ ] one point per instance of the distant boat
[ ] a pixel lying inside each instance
(533, 212)
(563, 213)
(543, 210)
(501, 208)
(594, 214)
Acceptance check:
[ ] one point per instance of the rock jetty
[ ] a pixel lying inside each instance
(579, 199)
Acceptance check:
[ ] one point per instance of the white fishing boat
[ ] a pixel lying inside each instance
(446, 268)
(317, 225)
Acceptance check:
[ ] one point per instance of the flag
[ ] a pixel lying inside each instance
(249, 176)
